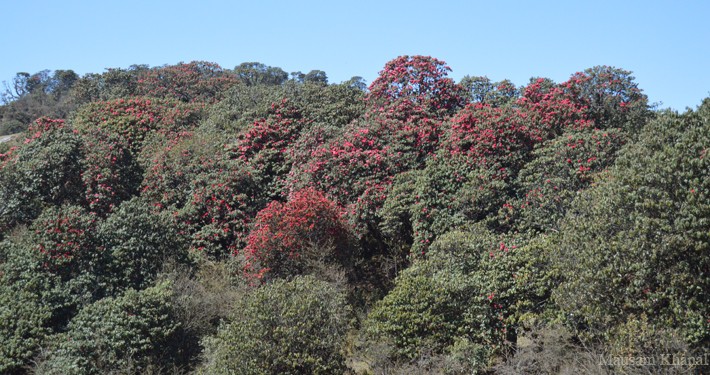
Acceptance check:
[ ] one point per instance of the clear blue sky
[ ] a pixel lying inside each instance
(665, 43)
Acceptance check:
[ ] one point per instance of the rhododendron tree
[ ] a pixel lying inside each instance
(559, 169)
(223, 199)
(551, 110)
(491, 137)
(44, 170)
(637, 242)
(111, 173)
(285, 235)
(188, 82)
(172, 161)
(265, 146)
(610, 97)
(419, 79)
(66, 239)
(135, 118)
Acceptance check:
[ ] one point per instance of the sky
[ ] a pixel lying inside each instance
(666, 44)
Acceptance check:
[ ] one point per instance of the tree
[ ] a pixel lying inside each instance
(254, 74)
(463, 290)
(197, 81)
(285, 235)
(419, 79)
(285, 327)
(649, 213)
(496, 94)
(558, 170)
(132, 333)
(266, 143)
(114, 83)
(223, 198)
(316, 76)
(43, 94)
(139, 244)
(45, 170)
(111, 173)
(610, 96)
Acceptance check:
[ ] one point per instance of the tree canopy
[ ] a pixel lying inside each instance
(191, 218)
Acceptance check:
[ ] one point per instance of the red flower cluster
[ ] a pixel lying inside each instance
(284, 232)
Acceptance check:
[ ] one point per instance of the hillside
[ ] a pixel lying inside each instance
(194, 219)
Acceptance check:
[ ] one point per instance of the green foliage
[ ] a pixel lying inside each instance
(286, 327)
(35, 301)
(139, 244)
(45, 170)
(436, 300)
(449, 193)
(114, 83)
(32, 96)
(258, 74)
(496, 94)
(335, 104)
(475, 286)
(559, 169)
(23, 328)
(650, 213)
(130, 333)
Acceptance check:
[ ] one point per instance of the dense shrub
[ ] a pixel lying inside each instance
(438, 299)
(45, 170)
(224, 197)
(139, 243)
(559, 169)
(286, 327)
(111, 173)
(132, 333)
(265, 145)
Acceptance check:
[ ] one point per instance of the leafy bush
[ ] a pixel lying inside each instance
(286, 327)
(45, 170)
(130, 333)
(559, 169)
(139, 243)
(438, 299)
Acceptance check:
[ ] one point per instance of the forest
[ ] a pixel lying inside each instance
(194, 219)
